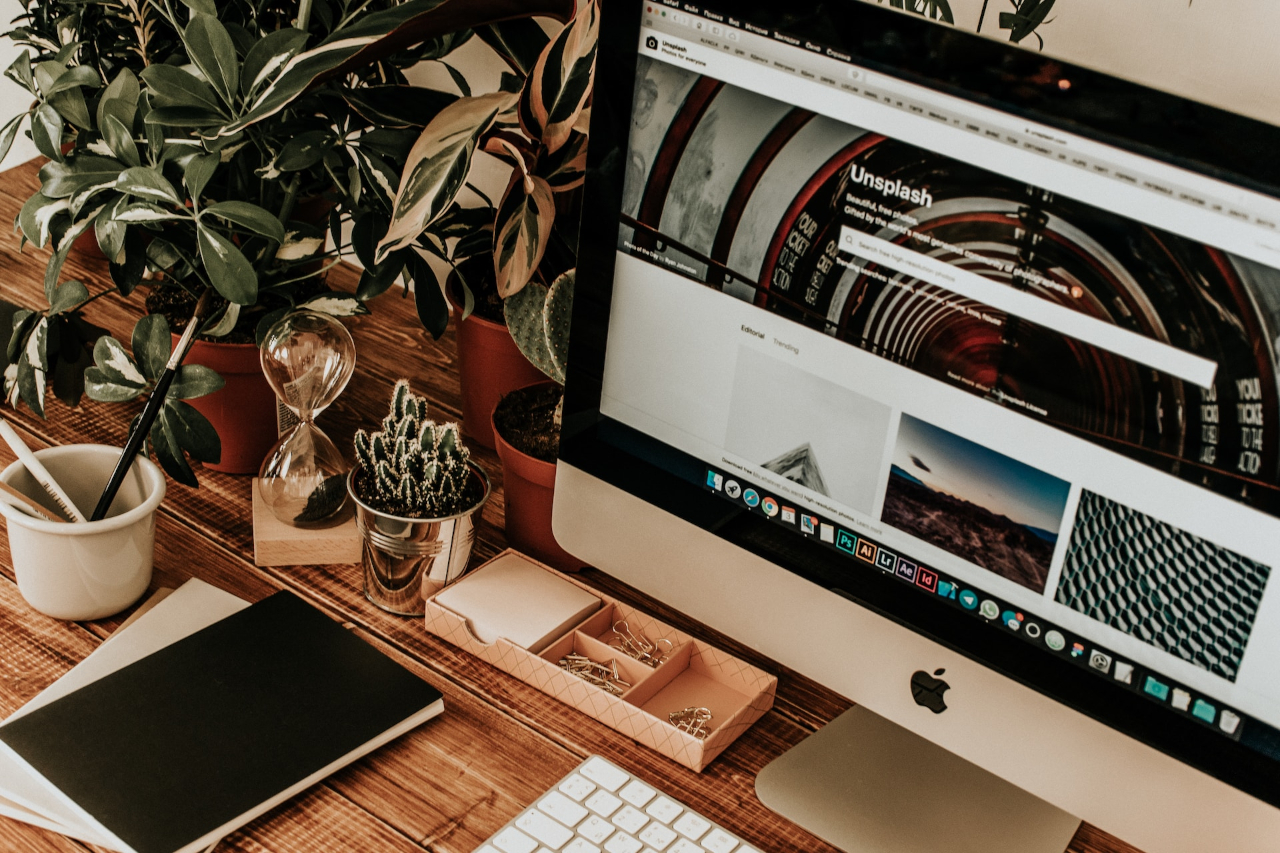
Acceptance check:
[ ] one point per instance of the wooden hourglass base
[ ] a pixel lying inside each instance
(278, 544)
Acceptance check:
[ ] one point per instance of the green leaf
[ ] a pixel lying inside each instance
(304, 150)
(398, 106)
(268, 56)
(519, 42)
(116, 365)
(146, 212)
(229, 271)
(54, 267)
(250, 216)
(151, 345)
(71, 106)
(98, 386)
(126, 273)
(182, 117)
(61, 180)
(171, 86)
(523, 224)
(336, 305)
(81, 75)
(37, 215)
(203, 6)
(147, 182)
(9, 132)
(31, 379)
(46, 131)
(195, 380)
(197, 174)
(376, 280)
(68, 295)
(191, 430)
(120, 141)
(213, 52)
(438, 165)
(168, 453)
(120, 99)
(365, 233)
(561, 80)
(110, 233)
(380, 34)
(458, 80)
(429, 300)
(19, 71)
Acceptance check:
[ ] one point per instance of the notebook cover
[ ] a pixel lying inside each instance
(199, 735)
(194, 606)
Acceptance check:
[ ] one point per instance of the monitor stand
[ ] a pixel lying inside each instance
(867, 785)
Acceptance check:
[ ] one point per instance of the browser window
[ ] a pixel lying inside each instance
(1015, 368)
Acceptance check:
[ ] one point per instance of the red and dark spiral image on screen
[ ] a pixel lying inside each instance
(749, 196)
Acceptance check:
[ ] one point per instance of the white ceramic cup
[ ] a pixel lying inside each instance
(85, 570)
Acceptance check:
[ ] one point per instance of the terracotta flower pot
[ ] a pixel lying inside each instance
(529, 487)
(490, 365)
(244, 411)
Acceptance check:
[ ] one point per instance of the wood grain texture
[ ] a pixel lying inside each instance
(449, 784)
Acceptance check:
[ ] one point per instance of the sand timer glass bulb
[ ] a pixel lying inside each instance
(308, 358)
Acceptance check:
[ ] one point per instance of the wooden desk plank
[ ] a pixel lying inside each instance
(452, 782)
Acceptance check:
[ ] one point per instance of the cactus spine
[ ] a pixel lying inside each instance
(414, 467)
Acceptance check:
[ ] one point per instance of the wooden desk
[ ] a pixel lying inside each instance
(449, 784)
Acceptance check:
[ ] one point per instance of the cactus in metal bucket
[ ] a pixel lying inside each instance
(414, 467)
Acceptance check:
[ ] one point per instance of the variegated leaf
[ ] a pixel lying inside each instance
(566, 168)
(524, 221)
(36, 215)
(143, 212)
(560, 83)
(437, 166)
(336, 305)
(295, 248)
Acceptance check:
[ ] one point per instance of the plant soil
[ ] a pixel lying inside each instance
(365, 492)
(177, 303)
(478, 273)
(525, 419)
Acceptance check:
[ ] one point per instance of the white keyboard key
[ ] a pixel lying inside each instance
(547, 831)
(580, 845)
(562, 808)
(577, 788)
(512, 840)
(637, 793)
(630, 819)
(719, 841)
(657, 836)
(545, 850)
(684, 845)
(664, 809)
(691, 825)
(488, 848)
(595, 829)
(622, 843)
(603, 803)
(604, 774)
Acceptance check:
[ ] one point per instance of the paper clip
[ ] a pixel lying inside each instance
(602, 675)
(639, 647)
(692, 721)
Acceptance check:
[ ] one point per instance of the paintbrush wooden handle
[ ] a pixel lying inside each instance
(39, 472)
(17, 499)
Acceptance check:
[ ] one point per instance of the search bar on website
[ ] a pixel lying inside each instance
(1131, 345)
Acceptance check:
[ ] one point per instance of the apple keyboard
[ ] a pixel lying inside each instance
(601, 808)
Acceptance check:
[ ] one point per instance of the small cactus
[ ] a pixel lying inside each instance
(414, 467)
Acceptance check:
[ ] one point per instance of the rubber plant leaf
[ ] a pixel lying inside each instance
(524, 221)
(560, 84)
(381, 34)
(437, 167)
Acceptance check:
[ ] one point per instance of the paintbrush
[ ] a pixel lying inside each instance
(17, 500)
(149, 412)
(39, 472)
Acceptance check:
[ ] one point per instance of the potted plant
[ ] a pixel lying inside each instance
(416, 493)
(192, 160)
(537, 123)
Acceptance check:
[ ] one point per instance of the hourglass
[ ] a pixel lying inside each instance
(308, 358)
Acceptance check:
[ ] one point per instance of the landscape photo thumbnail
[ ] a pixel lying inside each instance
(975, 503)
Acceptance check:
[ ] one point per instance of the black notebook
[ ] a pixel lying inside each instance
(174, 751)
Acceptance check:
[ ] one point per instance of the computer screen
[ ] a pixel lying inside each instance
(961, 340)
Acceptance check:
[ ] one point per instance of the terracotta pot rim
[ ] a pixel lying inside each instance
(498, 436)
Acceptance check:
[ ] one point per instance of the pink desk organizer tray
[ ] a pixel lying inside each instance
(693, 675)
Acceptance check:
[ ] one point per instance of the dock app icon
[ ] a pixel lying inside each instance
(867, 551)
(846, 541)
(715, 481)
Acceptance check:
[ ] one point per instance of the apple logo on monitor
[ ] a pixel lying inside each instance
(927, 690)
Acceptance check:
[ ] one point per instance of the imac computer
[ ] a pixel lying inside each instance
(945, 374)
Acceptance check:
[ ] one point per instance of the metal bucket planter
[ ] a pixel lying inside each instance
(406, 560)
